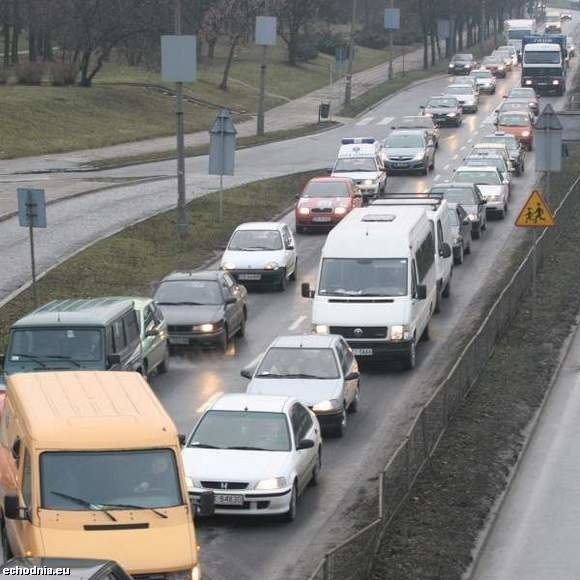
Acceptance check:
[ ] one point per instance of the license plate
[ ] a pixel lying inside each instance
(362, 351)
(228, 499)
(399, 165)
(178, 340)
(321, 219)
(250, 276)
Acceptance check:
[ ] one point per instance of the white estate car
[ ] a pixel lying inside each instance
(257, 453)
(493, 187)
(319, 370)
(261, 253)
(468, 98)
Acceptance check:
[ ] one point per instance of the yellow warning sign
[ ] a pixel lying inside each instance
(535, 213)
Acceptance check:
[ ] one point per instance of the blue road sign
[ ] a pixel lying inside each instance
(31, 208)
(392, 19)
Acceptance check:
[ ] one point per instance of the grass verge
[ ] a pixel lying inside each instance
(433, 535)
(241, 143)
(130, 261)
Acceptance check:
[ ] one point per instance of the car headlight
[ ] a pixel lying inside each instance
(451, 66)
(494, 197)
(456, 241)
(204, 327)
(428, 114)
(271, 266)
(369, 181)
(555, 82)
(452, 114)
(472, 217)
(501, 67)
(228, 266)
(340, 210)
(189, 484)
(400, 332)
(330, 405)
(304, 210)
(528, 81)
(321, 329)
(272, 483)
(525, 133)
(419, 156)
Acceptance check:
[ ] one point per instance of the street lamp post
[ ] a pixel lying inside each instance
(181, 215)
(348, 84)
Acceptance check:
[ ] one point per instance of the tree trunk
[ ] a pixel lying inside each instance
(84, 68)
(6, 34)
(292, 44)
(211, 44)
(432, 42)
(15, 31)
(233, 45)
(425, 51)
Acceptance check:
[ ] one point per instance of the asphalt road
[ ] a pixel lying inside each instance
(237, 549)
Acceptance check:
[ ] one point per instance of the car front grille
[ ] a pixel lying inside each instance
(361, 332)
(179, 328)
(225, 485)
(321, 210)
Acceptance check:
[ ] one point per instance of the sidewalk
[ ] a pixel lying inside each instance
(537, 533)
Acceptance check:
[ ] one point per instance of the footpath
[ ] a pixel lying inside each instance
(61, 175)
(537, 532)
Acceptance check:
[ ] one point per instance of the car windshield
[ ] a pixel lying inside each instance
(249, 430)
(363, 277)
(514, 106)
(479, 177)
(485, 161)
(300, 363)
(443, 103)
(462, 195)
(542, 57)
(413, 123)
(521, 94)
(325, 189)
(404, 140)
(189, 292)
(460, 90)
(102, 480)
(508, 120)
(28, 345)
(354, 164)
(480, 74)
(255, 240)
(462, 58)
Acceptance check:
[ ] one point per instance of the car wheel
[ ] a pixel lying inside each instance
(224, 339)
(300, 229)
(484, 223)
(468, 249)
(283, 284)
(475, 233)
(458, 256)
(5, 544)
(447, 290)
(353, 407)
(437, 308)
(501, 214)
(145, 369)
(290, 515)
(315, 479)
(340, 427)
(426, 335)
(242, 329)
(425, 169)
(432, 166)
(295, 273)
(164, 365)
(410, 359)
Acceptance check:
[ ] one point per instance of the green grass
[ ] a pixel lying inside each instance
(241, 143)
(144, 253)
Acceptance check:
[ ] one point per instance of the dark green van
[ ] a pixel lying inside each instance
(76, 334)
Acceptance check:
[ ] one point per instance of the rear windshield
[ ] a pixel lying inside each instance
(479, 177)
(443, 103)
(325, 189)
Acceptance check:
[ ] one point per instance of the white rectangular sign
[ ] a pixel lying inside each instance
(178, 58)
(266, 30)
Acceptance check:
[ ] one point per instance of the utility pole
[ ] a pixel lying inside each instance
(348, 84)
(181, 215)
(260, 126)
(391, 35)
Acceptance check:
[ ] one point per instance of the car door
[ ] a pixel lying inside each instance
(347, 365)
(22, 530)
(153, 344)
(479, 200)
(233, 311)
(464, 225)
(303, 428)
(289, 250)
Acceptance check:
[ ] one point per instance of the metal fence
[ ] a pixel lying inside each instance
(352, 559)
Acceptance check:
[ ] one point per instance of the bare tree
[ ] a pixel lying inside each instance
(294, 16)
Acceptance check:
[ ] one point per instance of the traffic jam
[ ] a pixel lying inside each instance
(385, 270)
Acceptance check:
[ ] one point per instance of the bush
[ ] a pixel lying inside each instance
(372, 38)
(329, 42)
(29, 73)
(306, 49)
(62, 74)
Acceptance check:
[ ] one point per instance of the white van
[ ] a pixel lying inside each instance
(437, 212)
(377, 283)
(361, 159)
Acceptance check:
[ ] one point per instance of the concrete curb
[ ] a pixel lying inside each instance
(529, 432)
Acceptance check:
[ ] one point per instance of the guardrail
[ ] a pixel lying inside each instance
(352, 559)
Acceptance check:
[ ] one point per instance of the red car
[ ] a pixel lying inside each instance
(518, 124)
(325, 201)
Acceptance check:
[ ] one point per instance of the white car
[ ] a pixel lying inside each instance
(468, 80)
(466, 95)
(257, 453)
(261, 253)
(319, 370)
(493, 187)
(484, 79)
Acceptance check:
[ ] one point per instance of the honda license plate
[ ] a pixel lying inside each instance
(228, 499)
(250, 276)
(362, 351)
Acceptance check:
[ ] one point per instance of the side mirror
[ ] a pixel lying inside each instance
(446, 250)
(305, 290)
(231, 300)
(305, 444)
(205, 504)
(247, 373)
(421, 106)
(12, 509)
(483, 201)
(290, 247)
(114, 359)
(352, 376)
(466, 222)
(152, 332)
(297, 196)
(181, 438)
(421, 291)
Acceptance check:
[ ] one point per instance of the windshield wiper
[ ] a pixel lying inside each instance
(247, 448)
(137, 507)
(29, 357)
(62, 357)
(185, 303)
(85, 503)
(300, 376)
(204, 445)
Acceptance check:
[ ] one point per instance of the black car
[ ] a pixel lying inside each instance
(205, 307)
(471, 200)
(516, 152)
(77, 568)
(460, 232)
(462, 64)
(444, 110)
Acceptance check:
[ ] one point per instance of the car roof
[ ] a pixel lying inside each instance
(260, 226)
(409, 131)
(255, 403)
(305, 341)
(491, 168)
(330, 179)
(182, 276)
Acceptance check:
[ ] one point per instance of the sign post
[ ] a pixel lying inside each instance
(392, 22)
(265, 37)
(32, 214)
(222, 150)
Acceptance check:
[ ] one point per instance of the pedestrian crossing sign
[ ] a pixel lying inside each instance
(535, 213)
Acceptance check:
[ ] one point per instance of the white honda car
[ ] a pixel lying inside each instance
(261, 253)
(257, 453)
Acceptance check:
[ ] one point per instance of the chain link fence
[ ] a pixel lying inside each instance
(353, 558)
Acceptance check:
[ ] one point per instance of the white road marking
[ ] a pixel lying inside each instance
(437, 177)
(470, 140)
(385, 121)
(462, 148)
(297, 323)
(456, 156)
(203, 407)
(447, 167)
(364, 121)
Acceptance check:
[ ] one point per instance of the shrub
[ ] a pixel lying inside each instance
(329, 42)
(62, 74)
(29, 73)
(306, 49)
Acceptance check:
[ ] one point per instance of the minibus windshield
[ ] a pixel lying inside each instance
(105, 480)
(363, 277)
